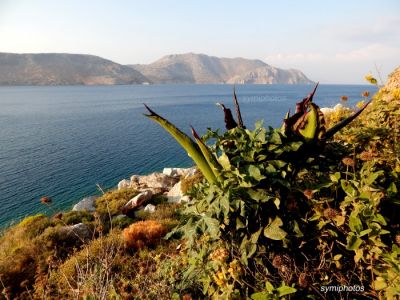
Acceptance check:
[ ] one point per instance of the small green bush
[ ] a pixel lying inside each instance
(75, 217)
(35, 225)
(112, 202)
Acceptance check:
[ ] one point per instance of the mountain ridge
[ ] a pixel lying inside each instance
(201, 68)
(84, 69)
(64, 69)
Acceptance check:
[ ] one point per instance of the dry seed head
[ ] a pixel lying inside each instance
(366, 155)
(344, 98)
(308, 193)
(303, 281)
(330, 213)
(365, 94)
(397, 239)
(281, 262)
(348, 161)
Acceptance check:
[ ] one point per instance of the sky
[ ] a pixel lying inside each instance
(330, 41)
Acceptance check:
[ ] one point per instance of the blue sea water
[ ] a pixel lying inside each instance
(62, 141)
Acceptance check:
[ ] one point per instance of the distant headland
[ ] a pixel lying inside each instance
(82, 69)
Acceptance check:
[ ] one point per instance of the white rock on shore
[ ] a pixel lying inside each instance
(158, 180)
(175, 195)
(124, 183)
(137, 201)
(177, 172)
(86, 204)
(80, 231)
(150, 208)
(329, 110)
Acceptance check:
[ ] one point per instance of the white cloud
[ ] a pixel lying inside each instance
(341, 67)
(384, 29)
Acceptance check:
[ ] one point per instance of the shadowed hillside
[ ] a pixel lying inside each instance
(64, 69)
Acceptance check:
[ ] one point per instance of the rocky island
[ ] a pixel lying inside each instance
(79, 69)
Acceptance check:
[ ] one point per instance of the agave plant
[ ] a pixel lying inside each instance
(307, 124)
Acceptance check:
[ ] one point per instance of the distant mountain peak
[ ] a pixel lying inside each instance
(201, 68)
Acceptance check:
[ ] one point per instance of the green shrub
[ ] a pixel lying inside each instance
(35, 225)
(158, 199)
(121, 222)
(112, 202)
(75, 217)
(291, 188)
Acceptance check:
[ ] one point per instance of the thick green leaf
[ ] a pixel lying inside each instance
(261, 296)
(355, 223)
(224, 161)
(310, 124)
(285, 290)
(187, 143)
(273, 230)
(353, 242)
(208, 155)
(255, 173)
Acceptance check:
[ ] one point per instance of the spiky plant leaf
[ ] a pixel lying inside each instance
(330, 133)
(230, 122)
(186, 142)
(237, 108)
(307, 126)
(212, 161)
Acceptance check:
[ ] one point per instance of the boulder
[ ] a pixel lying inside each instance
(137, 201)
(158, 180)
(150, 208)
(175, 195)
(191, 172)
(80, 231)
(176, 172)
(86, 204)
(329, 110)
(124, 183)
(135, 179)
(120, 217)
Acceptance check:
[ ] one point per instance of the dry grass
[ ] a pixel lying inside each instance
(143, 233)
(188, 183)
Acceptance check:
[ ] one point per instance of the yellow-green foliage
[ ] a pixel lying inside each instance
(188, 182)
(337, 115)
(166, 213)
(156, 274)
(35, 225)
(31, 219)
(22, 255)
(75, 217)
(377, 130)
(113, 201)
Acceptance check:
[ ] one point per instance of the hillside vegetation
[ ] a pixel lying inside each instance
(280, 213)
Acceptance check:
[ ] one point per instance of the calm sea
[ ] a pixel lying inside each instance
(62, 141)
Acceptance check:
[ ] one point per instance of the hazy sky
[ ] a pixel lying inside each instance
(330, 41)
